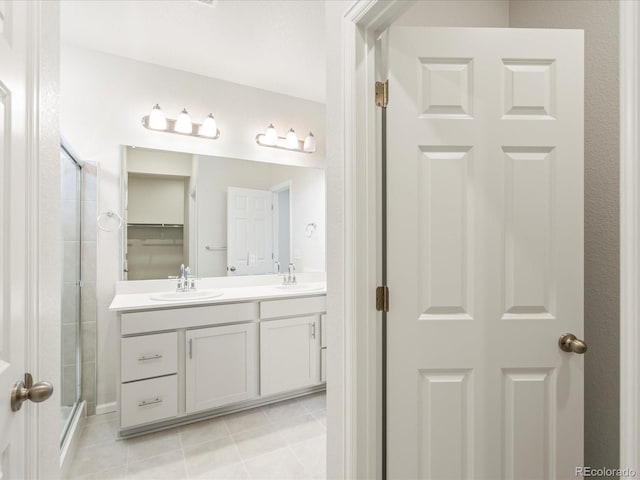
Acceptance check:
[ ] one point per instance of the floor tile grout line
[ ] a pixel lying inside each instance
(304, 467)
(184, 455)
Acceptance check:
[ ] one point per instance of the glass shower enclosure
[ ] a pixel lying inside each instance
(71, 197)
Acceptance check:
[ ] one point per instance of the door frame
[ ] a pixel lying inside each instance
(629, 234)
(43, 282)
(354, 375)
(355, 390)
(275, 189)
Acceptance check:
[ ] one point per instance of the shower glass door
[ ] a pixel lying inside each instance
(71, 189)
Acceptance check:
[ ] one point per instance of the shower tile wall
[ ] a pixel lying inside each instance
(88, 312)
(71, 237)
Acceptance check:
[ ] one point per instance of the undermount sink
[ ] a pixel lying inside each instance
(188, 295)
(300, 287)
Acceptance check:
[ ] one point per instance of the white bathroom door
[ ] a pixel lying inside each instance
(485, 253)
(249, 231)
(15, 99)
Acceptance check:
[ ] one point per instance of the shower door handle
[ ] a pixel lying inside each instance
(27, 390)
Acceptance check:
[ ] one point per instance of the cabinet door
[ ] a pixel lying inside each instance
(288, 354)
(220, 366)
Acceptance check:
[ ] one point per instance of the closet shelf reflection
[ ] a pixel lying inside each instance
(156, 225)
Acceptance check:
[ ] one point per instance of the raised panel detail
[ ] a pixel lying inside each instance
(529, 419)
(3, 12)
(446, 233)
(446, 86)
(529, 87)
(529, 228)
(5, 20)
(445, 437)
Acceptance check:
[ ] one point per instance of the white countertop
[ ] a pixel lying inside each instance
(142, 301)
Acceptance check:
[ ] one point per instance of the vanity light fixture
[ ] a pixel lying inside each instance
(271, 139)
(271, 136)
(291, 140)
(157, 120)
(183, 125)
(309, 143)
(209, 127)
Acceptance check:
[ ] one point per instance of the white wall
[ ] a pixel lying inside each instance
(215, 174)
(156, 200)
(308, 205)
(457, 13)
(103, 98)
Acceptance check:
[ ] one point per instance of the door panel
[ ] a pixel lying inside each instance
(220, 366)
(485, 232)
(249, 231)
(289, 354)
(13, 237)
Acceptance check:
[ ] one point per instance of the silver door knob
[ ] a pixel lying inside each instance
(568, 342)
(23, 391)
(232, 269)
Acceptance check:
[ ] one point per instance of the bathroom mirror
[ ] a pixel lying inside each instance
(220, 216)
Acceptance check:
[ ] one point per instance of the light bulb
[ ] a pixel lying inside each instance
(209, 127)
(291, 140)
(310, 143)
(157, 120)
(271, 136)
(183, 123)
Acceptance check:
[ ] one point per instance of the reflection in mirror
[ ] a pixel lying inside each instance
(220, 216)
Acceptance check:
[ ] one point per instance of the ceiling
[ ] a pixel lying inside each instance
(276, 45)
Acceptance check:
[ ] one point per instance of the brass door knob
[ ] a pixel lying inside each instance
(23, 391)
(568, 342)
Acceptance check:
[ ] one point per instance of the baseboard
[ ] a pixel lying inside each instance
(103, 408)
(68, 450)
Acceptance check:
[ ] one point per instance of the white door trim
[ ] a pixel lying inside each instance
(43, 317)
(629, 234)
(275, 220)
(354, 367)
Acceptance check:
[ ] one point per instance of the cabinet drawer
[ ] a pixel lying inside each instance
(148, 356)
(186, 317)
(293, 307)
(148, 401)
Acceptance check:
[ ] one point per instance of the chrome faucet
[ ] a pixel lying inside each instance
(290, 278)
(186, 281)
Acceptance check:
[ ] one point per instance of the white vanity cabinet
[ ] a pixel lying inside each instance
(290, 346)
(220, 366)
(289, 354)
(180, 363)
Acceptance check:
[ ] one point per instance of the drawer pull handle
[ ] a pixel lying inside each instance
(150, 357)
(190, 348)
(313, 330)
(146, 403)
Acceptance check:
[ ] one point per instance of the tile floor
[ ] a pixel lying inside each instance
(285, 440)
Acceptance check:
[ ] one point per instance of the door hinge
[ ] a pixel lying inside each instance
(382, 299)
(382, 94)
